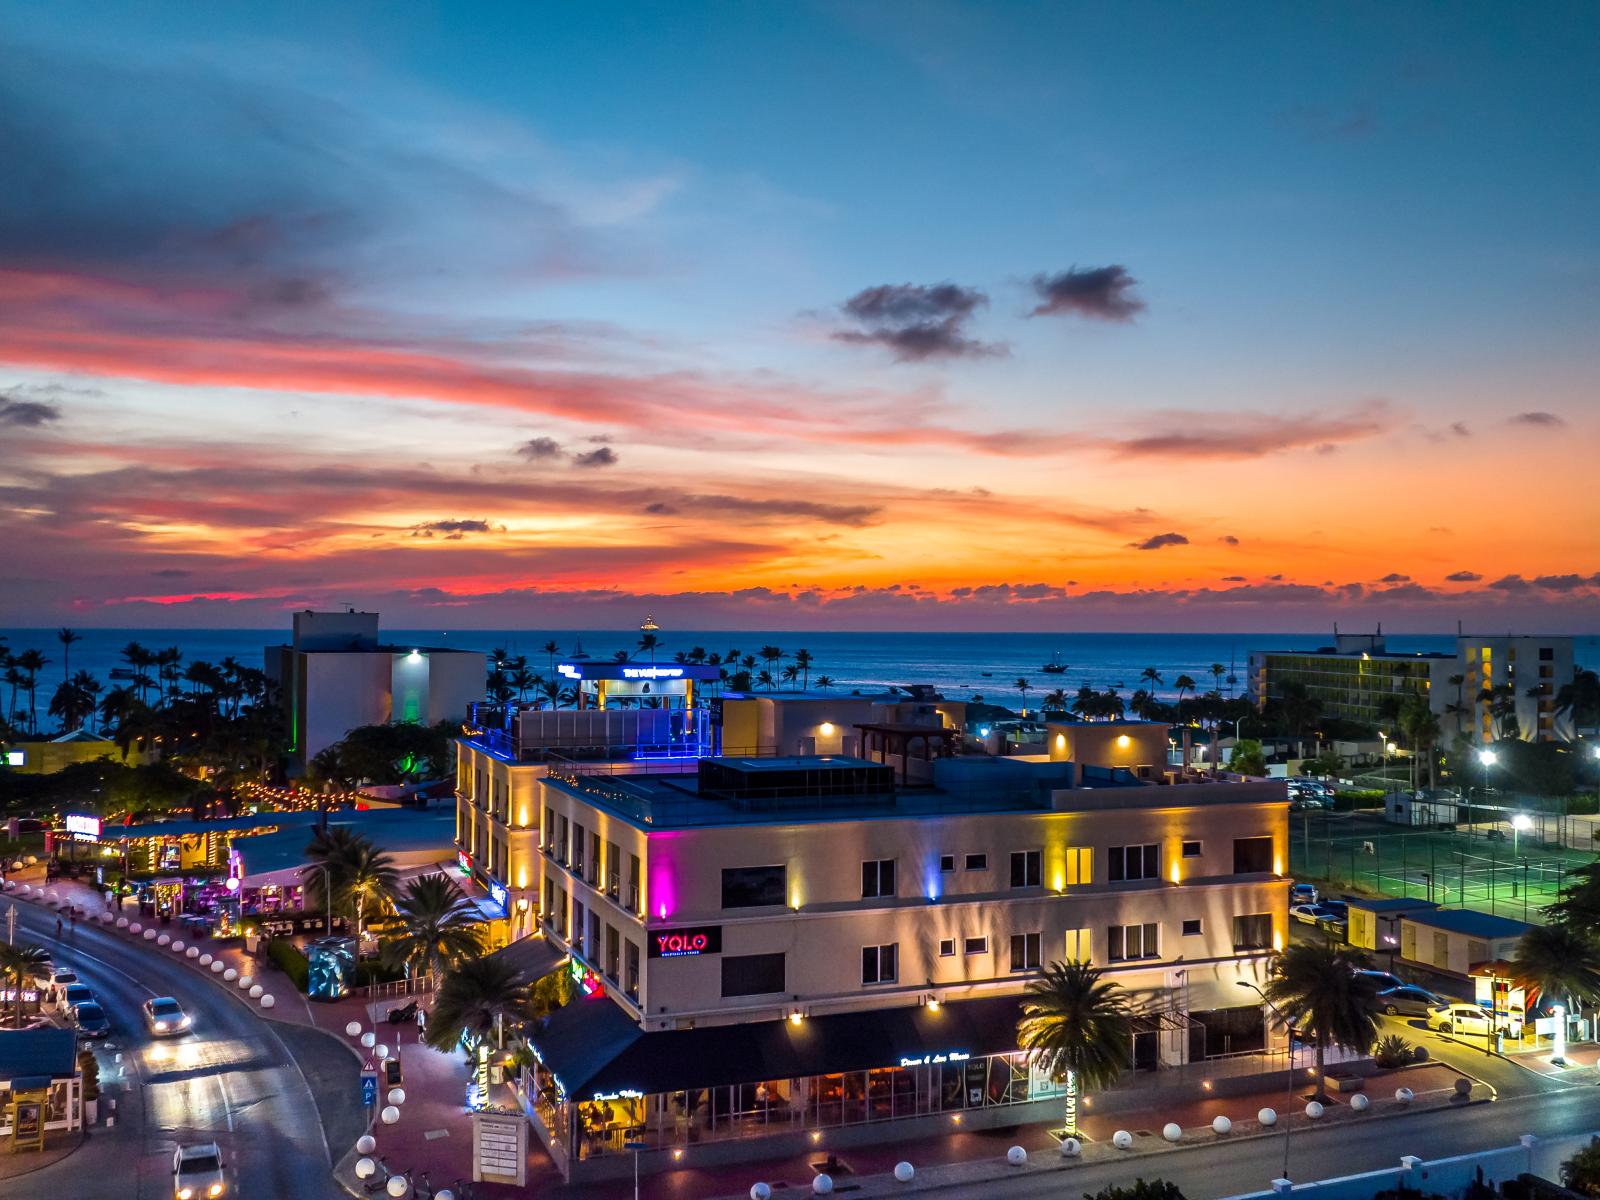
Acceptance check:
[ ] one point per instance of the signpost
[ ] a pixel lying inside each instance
(369, 1087)
(499, 1148)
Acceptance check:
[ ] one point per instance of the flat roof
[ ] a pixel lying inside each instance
(1470, 921)
(398, 831)
(379, 648)
(30, 1053)
(642, 671)
(1389, 905)
(265, 820)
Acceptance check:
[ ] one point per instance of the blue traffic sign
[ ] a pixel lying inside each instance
(369, 1088)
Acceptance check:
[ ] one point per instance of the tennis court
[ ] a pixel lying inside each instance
(1454, 869)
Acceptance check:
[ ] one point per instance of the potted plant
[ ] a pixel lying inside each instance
(89, 1071)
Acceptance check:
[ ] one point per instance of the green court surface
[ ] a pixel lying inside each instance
(1454, 869)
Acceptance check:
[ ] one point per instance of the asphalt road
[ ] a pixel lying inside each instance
(1231, 1169)
(230, 1080)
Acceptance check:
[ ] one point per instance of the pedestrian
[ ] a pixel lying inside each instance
(58, 928)
(422, 1022)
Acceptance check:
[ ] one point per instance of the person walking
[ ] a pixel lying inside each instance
(58, 929)
(422, 1022)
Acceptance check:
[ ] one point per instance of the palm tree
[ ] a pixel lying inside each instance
(1558, 964)
(370, 880)
(1152, 677)
(790, 673)
(32, 662)
(824, 681)
(1217, 672)
(764, 679)
(649, 641)
(15, 678)
(802, 662)
(1022, 685)
(1076, 1026)
(329, 850)
(1315, 989)
(1055, 701)
(550, 689)
(66, 637)
(1184, 684)
(772, 656)
(437, 927)
(472, 1000)
(20, 963)
(75, 700)
(1421, 729)
(552, 650)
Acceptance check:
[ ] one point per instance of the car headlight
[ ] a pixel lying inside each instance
(185, 1193)
(183, 1022)
(161, 1024)
(216, 1189)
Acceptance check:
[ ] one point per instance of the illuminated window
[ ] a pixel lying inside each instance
(1078, 946)
(1080, 866)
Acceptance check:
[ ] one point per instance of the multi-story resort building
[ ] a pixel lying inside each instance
(1352, 678)
(780, 945)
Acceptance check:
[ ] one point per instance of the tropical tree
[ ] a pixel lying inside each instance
(1217, 673)
(1076, 1025)
(32, 662)
(1024, 687)
(1151, 677)
(1580, 699)
(369, 881)
(824, 681)
(1315, 989)
(1559, 965)
(475, 996)
(1248, 758)
(66, 637)
(649, 642)
(437, 926)
(1420, 727)
(75, 700)
(19, 963)
(772, 656)
(790, 673)
(1055, 701)
(803, 663)
(1183, 683)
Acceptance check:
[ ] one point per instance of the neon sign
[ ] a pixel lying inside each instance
(569, 671)
(588, 981)
(464, 861)
(82, 826)
(652, 672)
(685, 943)
(931, 1060)
(620, 1094)
(498, 893)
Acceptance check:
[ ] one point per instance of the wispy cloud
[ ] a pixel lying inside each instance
(1159, 540)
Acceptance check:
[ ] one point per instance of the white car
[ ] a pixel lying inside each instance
(165, 1017)
(1469, 1020)
(197, 1172)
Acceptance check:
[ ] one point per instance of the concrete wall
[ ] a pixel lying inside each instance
(455, 681)
(1109, 744)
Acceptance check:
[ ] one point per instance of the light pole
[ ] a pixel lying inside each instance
(1289, 1056)
(327, 897)
(1486, 759)
(1518, 823)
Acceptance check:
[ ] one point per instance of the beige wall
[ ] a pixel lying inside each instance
(1131, 744)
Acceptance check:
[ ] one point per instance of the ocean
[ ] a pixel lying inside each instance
(959, 664)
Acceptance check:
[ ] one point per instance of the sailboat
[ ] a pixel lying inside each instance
(1055, 666)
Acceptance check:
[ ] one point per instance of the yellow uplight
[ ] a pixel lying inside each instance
(1123, 741)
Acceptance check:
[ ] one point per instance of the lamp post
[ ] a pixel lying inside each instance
(1518, 823)
(327, 897)
(1289, 1055)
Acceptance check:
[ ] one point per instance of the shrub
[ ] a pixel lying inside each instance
(1393, 1051)
(1154, 1189)
(1581, 1172)
(89, 1067)
(291, 960)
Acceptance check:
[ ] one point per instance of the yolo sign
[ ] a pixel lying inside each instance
(685, 943)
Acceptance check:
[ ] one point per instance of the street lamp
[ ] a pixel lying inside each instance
(1519, 823)
(1289, 1056)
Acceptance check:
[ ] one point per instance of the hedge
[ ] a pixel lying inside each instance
(291, 960)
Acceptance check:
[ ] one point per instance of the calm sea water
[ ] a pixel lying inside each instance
(960, 664)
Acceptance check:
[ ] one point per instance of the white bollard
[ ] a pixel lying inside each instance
(353, 1029)
(1266, 1117)
(1016, 1156)
(255, 991)
(1070, 1147)
(205, 959)
(1359, 1102)
(444, 1194)
(383, 1052)
(164, 939)
(397, 1186)
(193, 953)
(366, 1144)
(177, 947)
(365, 1168)
(216, 965)
(397, 1095)
(760, 1191)
(122, 922)
(267, 1002)
(150, 935)
(1404, 1095)
(389, 1115)
(822, 1185)
(230, 974)
(369, 1039)
(245, 981)
(1172, 1131)
(1314, 1110)
(904, 1172)
(1122, 1139)
(1221, 1125)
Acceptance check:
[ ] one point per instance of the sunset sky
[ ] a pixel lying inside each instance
(855, 315)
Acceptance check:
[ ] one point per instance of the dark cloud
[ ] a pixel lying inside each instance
(1220, 435)
(1395, 577)
(605, 456)
(1560, 583)
(1233, 579)
(454, 530)
(539, 449)
(1159, 540)
(1463, 577)
(1228, 539)
(659, 509)
(26, 414)
(1099, 293)
(916, 322)
(1510, 583)
(1540, 420)
(1459, 428)
(171, 573)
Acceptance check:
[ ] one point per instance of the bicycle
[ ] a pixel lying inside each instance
(375, 1183)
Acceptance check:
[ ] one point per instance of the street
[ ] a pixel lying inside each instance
(231, 1080)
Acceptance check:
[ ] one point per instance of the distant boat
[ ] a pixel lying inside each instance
(1055, 666)
(987, 674)
(649, 625)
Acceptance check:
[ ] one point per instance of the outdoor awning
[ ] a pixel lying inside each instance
(594, 1047)
(533, 957)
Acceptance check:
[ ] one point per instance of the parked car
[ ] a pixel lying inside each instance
(1468, 1019)
(75, 994)
(1302, 893)
(1382, 980)
(90, 1019)
(197, 1172)
(1318, 914)
(165, 1017)
(1409, 1000)
(50, 975)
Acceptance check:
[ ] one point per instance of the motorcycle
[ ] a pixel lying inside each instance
(406, 1012)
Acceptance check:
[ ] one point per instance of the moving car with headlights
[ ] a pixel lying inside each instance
(164, 1016)
(197, 1172)
(90, 1019)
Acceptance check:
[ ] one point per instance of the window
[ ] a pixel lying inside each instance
(1025, 948)
(549, 830)
(635, 896)
(947, 863)
(593, 875)
(947, 947)
(613, 953)
(1134, 862)
(1547, 653)
(1252, 932)
(1191, 849)
(577, 849)
(1191, 928)
(577, 925)
(549, 902)
(754, 887)
(1080, 866)
(1078, 947)
(880, 964)
(977, 862)
(1126, 942)
(594, 936)
(632, 959)
(975, 945)
(877, 878)
(1252, 856)
(561, 842)
(613, 869)
(1027, 868)
(752, 974)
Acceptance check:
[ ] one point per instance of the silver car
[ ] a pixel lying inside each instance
(197, 1172)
